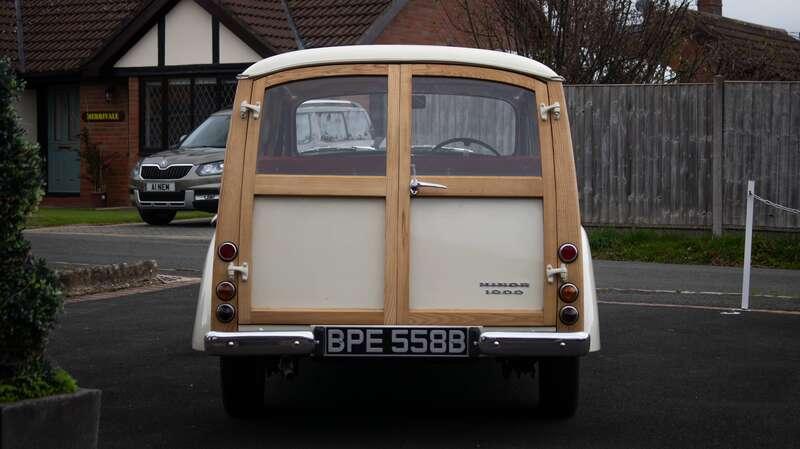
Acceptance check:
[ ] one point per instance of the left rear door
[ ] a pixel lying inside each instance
(319, 198)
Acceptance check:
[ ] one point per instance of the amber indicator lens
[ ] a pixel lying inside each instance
(226, 290)
(225, 312)
(227, 251)
(568, 292)
(568, 252)
(569, 315)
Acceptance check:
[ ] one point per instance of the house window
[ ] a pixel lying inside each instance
(172, 107)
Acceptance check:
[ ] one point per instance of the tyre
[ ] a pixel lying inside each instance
(242, 386)
(558, 386)
(157, 216)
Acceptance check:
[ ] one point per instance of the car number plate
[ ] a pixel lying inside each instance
(160, 187)
(396, 341)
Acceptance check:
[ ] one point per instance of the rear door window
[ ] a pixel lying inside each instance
(325, 126)
(473, 127)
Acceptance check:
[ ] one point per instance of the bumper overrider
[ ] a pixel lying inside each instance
(483, 343)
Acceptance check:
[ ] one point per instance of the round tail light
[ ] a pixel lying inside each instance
(568, 252)
(569, 315)
(225, 313)
(227, 251)
(568, 292)
(226, 290)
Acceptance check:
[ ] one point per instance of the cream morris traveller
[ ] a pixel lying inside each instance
(435, 216)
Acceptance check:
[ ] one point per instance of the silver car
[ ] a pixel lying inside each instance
(184, 178)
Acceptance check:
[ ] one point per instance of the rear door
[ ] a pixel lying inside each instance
(319, 198)
(476, 206)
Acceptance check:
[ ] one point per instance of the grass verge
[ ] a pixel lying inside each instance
(770, 250)
(61, 216)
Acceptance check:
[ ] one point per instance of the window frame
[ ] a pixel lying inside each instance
(221, 80)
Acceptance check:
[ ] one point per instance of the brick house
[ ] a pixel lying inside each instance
(137, 74)
(734, 49)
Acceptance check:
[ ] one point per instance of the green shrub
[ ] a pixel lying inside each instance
(35, 382)
(30, 300)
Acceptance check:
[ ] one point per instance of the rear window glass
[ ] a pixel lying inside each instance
(473, 127)
(325, 126)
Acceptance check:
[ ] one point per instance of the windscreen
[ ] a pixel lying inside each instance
(212, 133)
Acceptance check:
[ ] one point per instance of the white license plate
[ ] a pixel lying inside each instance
(396, 341)
(160, 187)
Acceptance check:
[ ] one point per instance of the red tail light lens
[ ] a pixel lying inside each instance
(226, 290)
(568, 252)
(569, 315)
(568, 292)
(227, 251)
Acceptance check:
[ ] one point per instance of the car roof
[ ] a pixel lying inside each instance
(400, 54)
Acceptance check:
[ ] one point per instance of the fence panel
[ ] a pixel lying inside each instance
(762, 142)
(643, 154)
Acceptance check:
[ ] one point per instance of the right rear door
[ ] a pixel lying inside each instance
(474, 244)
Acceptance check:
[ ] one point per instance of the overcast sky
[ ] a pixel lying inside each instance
(777, 13)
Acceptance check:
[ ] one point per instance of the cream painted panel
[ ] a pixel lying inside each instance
(233, 50)
(457, 243)
(144, 53)
(325, 253)
(187, 35)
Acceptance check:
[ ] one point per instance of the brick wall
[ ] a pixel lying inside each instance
(427, 22)
(112, 137)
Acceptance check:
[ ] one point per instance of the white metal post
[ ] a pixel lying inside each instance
(748, 244)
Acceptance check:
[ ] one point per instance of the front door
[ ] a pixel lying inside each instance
(391, 194)
(63, 140)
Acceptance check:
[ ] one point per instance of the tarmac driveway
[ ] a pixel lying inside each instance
(666, 377)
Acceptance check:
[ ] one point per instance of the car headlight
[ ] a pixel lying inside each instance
(212, 168)
(136, 169)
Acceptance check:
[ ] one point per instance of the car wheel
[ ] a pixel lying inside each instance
(157, 217)
(242, 386)
(558, 386)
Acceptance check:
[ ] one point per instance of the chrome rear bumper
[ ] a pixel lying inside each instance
(489, 343)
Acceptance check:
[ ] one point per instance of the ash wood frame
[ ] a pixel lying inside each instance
(557, 188)
(475, 186)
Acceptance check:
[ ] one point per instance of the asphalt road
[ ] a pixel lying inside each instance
(666, 377)
(180, 249)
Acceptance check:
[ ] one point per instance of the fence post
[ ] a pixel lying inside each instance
(718, 136)
(748, 245)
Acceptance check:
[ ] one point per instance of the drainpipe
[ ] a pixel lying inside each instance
(20, 40)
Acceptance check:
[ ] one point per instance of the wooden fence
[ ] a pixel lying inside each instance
(679, 156)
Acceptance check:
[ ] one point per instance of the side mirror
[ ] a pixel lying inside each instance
(182, 138)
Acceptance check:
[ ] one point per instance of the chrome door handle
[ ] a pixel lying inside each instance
(415, 185)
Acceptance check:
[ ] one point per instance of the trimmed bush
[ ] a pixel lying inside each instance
(30, 300)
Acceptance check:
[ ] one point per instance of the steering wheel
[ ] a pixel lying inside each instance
(467, 140)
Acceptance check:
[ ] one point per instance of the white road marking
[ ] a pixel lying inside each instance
(691, 292)
(725, 310)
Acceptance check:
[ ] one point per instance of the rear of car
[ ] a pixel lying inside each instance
(438, 220)
(185, 178)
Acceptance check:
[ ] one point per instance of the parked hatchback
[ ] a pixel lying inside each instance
(184, 178)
